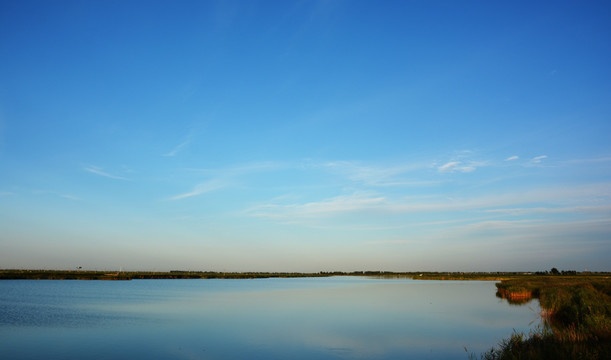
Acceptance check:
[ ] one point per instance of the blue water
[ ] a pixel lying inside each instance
(306, 318)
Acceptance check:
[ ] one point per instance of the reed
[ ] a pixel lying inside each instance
(577, 319)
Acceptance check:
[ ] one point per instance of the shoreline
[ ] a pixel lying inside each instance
(14, 274)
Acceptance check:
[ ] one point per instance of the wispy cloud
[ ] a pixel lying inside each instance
(406, 173)
(534, 233)
(454, 166)
(222, 178)
(512, 158)
(202, 188)
(55, 193)
(592, 199)
(552, 210)
(526, 236)
(363, 203)
(328, 207)
(393, 175)
(6, 193)
(240, 169)
(448, 166)
(69, 197)
(461, 161)
(538, 159)
(98, 171)
(178, 148)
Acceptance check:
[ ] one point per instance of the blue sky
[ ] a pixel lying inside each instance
(305, 135)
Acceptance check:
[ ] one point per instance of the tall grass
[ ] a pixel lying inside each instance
(577, 320)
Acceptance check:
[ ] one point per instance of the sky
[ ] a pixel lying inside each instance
(305, 135)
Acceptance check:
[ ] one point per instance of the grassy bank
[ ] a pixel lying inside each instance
(577, 318)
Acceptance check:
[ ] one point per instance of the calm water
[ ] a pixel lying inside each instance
(311, 318)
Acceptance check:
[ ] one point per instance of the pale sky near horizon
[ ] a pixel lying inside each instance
(305, 135)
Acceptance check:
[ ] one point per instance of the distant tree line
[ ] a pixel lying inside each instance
(555, 271)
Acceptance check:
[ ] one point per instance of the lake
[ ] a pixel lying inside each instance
(294, 318)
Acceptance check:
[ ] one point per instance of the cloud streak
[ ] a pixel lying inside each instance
(454, 166)
(223, 178)
(178, 148)
(538, 159)
(592, 199)
(55, 193)
(378, 175)
(202, 188)
(98, 171)
(329, 207)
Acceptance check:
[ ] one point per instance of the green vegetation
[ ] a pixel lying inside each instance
(576, 310)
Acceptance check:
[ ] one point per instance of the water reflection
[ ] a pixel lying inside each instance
(328, 318)
(515, 297)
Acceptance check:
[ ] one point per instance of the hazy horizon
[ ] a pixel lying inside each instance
(305, 136)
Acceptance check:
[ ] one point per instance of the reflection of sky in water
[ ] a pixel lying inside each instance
(328, 318)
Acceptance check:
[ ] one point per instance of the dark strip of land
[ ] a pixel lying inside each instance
(130, 275)
(13, 274)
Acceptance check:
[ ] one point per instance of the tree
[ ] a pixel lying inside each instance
(555, 271)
